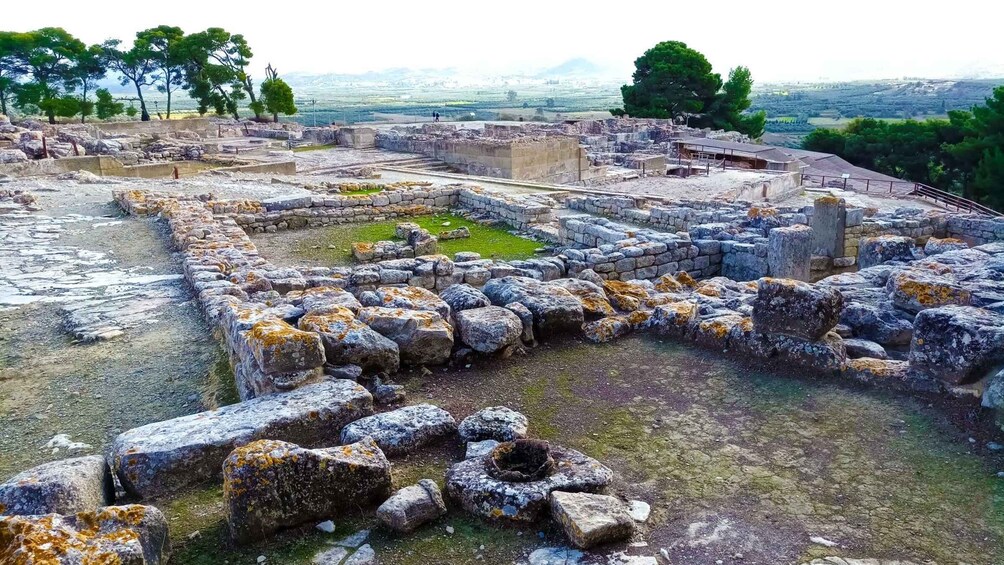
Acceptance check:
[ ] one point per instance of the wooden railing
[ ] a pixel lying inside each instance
(949, 199)
(905, 188)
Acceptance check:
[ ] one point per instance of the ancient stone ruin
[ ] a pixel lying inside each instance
(346, 374)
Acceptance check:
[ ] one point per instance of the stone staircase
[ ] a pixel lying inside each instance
(425, 164)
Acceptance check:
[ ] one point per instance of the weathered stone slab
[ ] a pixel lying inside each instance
(403, 430)
(271, 485)
(956, 344)
(554, 309)
(877, 250)
(591, 519)
(489, 329)
(422, 337)
(789, 251)
(67, 486)
(916, 289)
(829, 219)
(785, 306)
(412, 507)
(125, 535)
(281, 348)
(347, 341)
(879, 323)
(462, 297)
(410, 298)
(606, 329)
(497, 422)
(163, 457)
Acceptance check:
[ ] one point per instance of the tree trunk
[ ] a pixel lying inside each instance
(3, 102)
(169, 100)
(144, 116)
(275, 118)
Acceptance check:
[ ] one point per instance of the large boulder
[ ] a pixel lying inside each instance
(497, 422)
(281, 348)
(606, 329)
(674, 318)
(403, 430)
(934, 246)
(347, 341)
(554, 308)
(880, 323)
(462, 297)
(412, 506)
(798, 309)
(409, 298)
(164, 457)
(592, 296)
(916, 289)
(271, 485)
(125, 535)
(591, 519)
(423, 337)
(66, 486)
(957, 344)
(489, 329)
(320, 298)
(881, 249)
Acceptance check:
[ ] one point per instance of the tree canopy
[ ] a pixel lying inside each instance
(963, 154)
(276, 95)
(49, 71)
(672, 80)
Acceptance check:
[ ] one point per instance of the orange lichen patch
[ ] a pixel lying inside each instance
(626, 289)
(829, 200)
(685, 279)
(274, 332)
(593, 303)
(336, 321)
(756, 212)
(710, 290)
(86, 538)
(717, 328)
(930, 293)
(362, 247)
(638, 317)
(666, 283)
(865, 368)
(657, 300)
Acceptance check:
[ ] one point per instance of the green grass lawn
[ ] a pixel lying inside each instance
(490, 242)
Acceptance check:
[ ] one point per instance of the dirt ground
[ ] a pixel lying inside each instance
(739, 464)
(51, 385)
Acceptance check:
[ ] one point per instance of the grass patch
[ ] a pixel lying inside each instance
(305, 148)
(333, 245)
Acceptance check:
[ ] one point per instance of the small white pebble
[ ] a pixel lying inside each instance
(326, 526)
(449, 529)
(261, 559)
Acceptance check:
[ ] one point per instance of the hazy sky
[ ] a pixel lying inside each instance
(777, 39)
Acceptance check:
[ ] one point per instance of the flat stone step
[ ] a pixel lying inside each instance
(163, 457)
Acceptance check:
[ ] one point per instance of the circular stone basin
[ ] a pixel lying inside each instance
(472, 484)
(520, 461)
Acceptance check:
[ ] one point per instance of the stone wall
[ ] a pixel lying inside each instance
(975, 230)
(325, 210)
(551, 159)
(520, 212)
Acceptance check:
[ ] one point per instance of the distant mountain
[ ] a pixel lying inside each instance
(395, 75)
(577, 67)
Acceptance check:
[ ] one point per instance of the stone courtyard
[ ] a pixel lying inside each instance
(429, 344)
